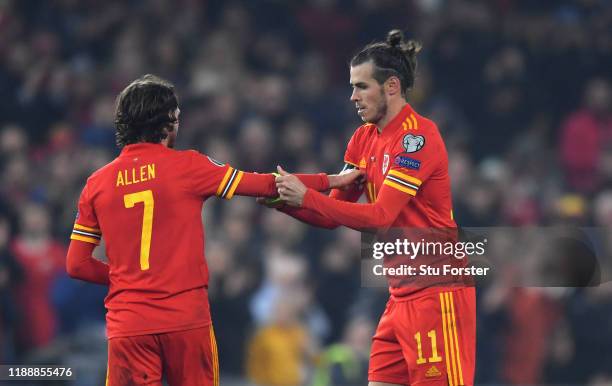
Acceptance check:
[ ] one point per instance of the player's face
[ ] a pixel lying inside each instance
(368, 95)
(172, 134)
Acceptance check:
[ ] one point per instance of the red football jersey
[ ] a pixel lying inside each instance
(409, 155)
(407, 186)
(147, 205)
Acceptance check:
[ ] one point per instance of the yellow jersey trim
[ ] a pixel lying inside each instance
(399, 187)
(85, 239)
(406, 177)
(221, 187)
(232, 189)
(84, 228)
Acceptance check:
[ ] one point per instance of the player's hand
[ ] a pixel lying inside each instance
(290, 188)
(346, 179)
(270, 202)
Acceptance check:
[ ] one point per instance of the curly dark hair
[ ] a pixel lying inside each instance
(394, 57)
(145, 111)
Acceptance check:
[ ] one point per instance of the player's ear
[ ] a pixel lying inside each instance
(393, 85)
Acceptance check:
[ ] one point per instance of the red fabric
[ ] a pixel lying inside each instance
(313, 218)
(423, 199)
(379, 153)
(359, 216)
(184, 357)
(394, 353)
(171, 294)
(40, 266)
(251, 183)
(583, 137)
(533, 316)
(80, 264)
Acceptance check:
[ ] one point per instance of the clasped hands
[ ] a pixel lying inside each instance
(291, 190)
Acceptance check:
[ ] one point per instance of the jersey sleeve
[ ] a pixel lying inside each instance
(358, 216)
(86, 226)
(210, 177)
(264, 185)
(413, 160)
(352, 153)
(316, 219)
(350, 194)
(80, 264)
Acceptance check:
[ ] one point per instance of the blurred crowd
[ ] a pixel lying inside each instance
(521, 91)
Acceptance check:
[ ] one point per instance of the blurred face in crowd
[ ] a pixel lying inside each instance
(35, 221)
(598, 96)
(368, 95)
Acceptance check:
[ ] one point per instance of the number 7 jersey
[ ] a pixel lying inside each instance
(147, 204)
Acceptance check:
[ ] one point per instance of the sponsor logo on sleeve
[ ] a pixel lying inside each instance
(407, 162)
(413, 143)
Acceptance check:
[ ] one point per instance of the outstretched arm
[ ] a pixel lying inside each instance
(254, 184)
(80, 263)
(380, 214)
(208, 177)
(394, 195)
(345, 187)
(314, 218)
(258, 185)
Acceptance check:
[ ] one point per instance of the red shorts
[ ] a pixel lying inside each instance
(183, 358)
(428, 340)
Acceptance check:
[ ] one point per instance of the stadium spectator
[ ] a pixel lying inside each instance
(592, 126)
(280, 349)
(42, 259)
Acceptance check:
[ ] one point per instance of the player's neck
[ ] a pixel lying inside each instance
(165, 142)
(393, 108)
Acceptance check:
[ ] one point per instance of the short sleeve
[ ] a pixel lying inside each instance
(211, 177)
(414, 158)
(86, 226)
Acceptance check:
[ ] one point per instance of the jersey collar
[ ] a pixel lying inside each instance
(141, 147)
(396, 123)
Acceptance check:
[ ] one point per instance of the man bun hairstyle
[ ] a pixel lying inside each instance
(145, 111)
(394, 57)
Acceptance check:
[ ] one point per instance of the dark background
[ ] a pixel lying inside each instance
(519, 89)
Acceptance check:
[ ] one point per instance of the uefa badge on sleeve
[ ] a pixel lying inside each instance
(413, 143)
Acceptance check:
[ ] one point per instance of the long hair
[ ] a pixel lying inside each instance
(394, 57)
(145, 111)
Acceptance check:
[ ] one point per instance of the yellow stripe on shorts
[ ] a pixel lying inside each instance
(446, 345)
(215, 357)
(451, 343)
(454, 325)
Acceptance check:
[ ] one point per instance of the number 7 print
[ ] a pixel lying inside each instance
(146, 197)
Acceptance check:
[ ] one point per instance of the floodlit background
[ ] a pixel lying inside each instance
(520, 90)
